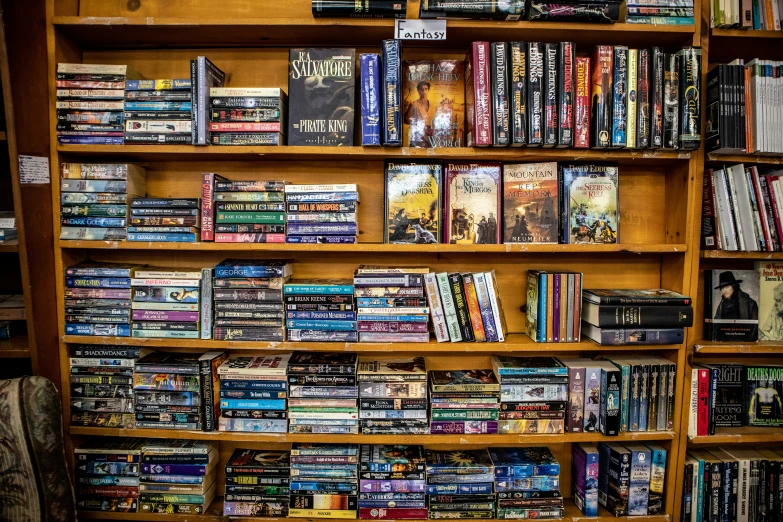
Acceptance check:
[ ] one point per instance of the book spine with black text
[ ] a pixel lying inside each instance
(631, 109)
(582, 103)
(535, 103)
(657, 69)
(461, 305)
(550, 95)
(501, 135)
(565, 94)
(620, 96)
(671, 109)
(392, 92)
(601, 109)
(518, 92)
(643, 100)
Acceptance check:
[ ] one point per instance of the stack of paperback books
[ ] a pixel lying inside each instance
(527, 483)
(178, 476)
(624, 485)
(323, 393)
(100, 296)
(167, 119)
(257, 483)
(311, 494)
(393, 395)
(322, 213)
(464, 401)
(657, 316)
(253, 393)
(244, 210)
(172, 220)
(403, 318)
(661, 12)
(90, 102)
(7, 226)
(107, 377)
(533, 394)
(647, 401)
(164, 372)
(166, 303)
(392, 482)
(553, 311)
(98, 404)
(594, 401)
(584, 477)
(248, 299)
(250, 116)
(317, 291)
(460, 484)
(94, 199)
(107, 474)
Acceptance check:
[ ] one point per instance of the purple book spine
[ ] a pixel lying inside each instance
(370, 85)
(306, 229)
(463, 427)
(158, 315)
(173, 469)
(321, 239)
(556, 310)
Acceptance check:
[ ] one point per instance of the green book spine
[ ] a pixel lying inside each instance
(271, 218)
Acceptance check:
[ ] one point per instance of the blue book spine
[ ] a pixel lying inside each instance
(114, 330)
(344, 316)
(521, 470)
(370, 88)
(620, 90)
(249, 404)
(248, 271)
(169, 230)
(318, 289)
(99, 282)
(321, 228)
(94, 222)
(479, 488)
(300, 324)
(604, 455)
(527, 483)
(157, 106)
(165, 237)
(700, 492)
(97, 272)
(252, 385)
(542, 292)
(392, 92)
(251, 394)
(400, 318)
(638, 492)
(644, 401)
(179, 84)
(90, 140)
(322, 486)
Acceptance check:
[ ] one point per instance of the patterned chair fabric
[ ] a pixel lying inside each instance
(34, 482)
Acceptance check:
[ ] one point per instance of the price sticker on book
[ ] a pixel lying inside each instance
(420, 29)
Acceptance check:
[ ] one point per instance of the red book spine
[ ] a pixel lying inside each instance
(582, 104)
(271, 126)
(709, 231)
(478, 96)
(703, 423)
(393, 513)
(249, 238)
(207, 207)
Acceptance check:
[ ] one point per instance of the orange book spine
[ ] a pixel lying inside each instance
(473, 308)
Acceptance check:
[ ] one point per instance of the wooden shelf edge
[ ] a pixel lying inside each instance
(715, 347)
(3, 136)
(744, 158)
(9, 246)
(728, 254)
(744, 435)
(15, 348)
(720, 32)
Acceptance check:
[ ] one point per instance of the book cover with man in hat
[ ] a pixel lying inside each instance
(731, 310)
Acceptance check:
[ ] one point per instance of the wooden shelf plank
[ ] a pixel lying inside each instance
(248, 153)
(515, 342)
(9, 246)
(380, 247)
(727, 254)
(715, 347)
(743, 158)
(720, 32)
(141, 32)
(745, 434)
(15, 348)
(3, 136)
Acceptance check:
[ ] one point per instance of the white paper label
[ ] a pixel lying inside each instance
(33, 170)
(420, 29)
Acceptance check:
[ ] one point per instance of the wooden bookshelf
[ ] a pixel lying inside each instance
(743, 435)
(3, 136)
(15, 348)
(760, 348)
(728, 254)
(9, 246)
(750, 159)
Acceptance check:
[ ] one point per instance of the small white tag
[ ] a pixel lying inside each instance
(420, 29)
(33, 170)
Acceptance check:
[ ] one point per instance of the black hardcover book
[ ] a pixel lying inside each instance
(535, 103)
(690, 104)
(595, 12)
(359, 9)
(392, 92)
(518, 93)
(565, 95)
(609, 417)
(508, 10)
(656, 97)
(550, 95)
(728, 408)
(645, 316)
(742, 138)
(501, 132)
(652, 402)
(461, 304)
(321, 85)
(715, 134)
(619, 96)
(643, 100)
(671, 108)
(601, 104)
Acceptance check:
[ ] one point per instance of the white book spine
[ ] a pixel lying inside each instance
(436, 308)
(694, 489)
(737, 208)
(633, 67)
(206, 303)
(103, 361)
(335, 187)
(493, 301)
(693, 416)
(718, 226)
(758, 231)
(724, 211)
(449, 309)
(7, 222)
(186, 283)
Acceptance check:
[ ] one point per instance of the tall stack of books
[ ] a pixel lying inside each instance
(460, 484)
(7, 226)
(248, 299)
(257, 483)
(166, 119)
(108, 377)
(171, 220)
(98, 298)
(323, 393)
(392, 481)
(533, 394)
(584, 477)
(94, 199)
(178, 476)
(393, 395)
(90, 103)
(320, 291)
(655, 316)
(107, 474)
(527, 483)
(168, 372)
(392, 319)
(246, 211)
(252, 116)
(554, 306)
(166, 303)
(322, 213)
(311, 494)
(464, 401)
(253, 393)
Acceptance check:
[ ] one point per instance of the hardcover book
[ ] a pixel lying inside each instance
(321, 85)
(729, 406)
(535, 94)
(763, 392)
(433, 103)
(590, 203)
(620, 96)
(472, 203)
(477, 96)
(601, 111)
(500, 100)
(770, 300)
(582, 125)
(530, 203)
(413, 202)
(731, 309)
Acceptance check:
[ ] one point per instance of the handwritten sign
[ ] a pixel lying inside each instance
(33, 170)
(420, 29)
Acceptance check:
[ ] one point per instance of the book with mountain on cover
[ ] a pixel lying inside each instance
(413, 202)
(433, 103)
(391, 369)
(763, 395)
(472, 203)
(731, 309)
(463, 380)
(321, 86)
(591, 204)
(530, 203)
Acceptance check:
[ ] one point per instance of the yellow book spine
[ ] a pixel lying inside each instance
(322, 513)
